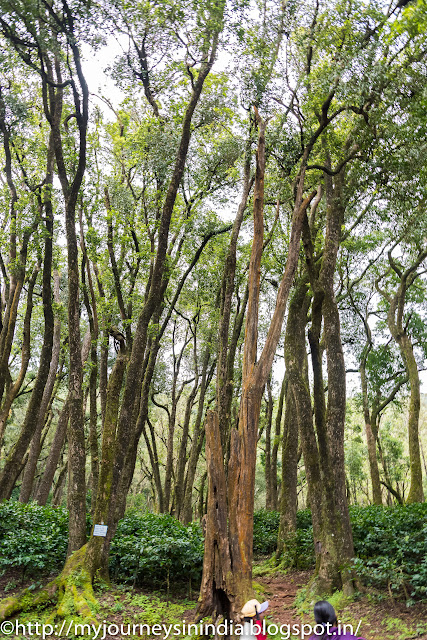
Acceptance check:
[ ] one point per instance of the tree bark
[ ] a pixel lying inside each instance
(286, 540)
(276, 444)
(36, 444)
(216, 591)
(370, 439)
(45, 484)
(268, 469)
(12, 467)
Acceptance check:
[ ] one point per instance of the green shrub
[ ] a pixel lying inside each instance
(266, 527)
(391, 548)
(32, 538)
(156, 549)
(390, 545)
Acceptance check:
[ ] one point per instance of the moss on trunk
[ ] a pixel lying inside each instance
(72, 591)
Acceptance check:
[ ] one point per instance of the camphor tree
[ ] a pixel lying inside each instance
(340, 41)
(390, 284)
(47, 39)
(39, 35)
(140, 191)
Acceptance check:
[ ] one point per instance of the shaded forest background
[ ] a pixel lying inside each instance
(188, 277)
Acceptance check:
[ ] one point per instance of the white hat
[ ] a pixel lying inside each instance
(253, 607)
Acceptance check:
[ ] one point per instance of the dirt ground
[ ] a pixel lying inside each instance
(380, 618)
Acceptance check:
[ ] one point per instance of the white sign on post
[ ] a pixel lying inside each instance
(100, 530)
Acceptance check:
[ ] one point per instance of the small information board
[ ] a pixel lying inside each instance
(100, 530)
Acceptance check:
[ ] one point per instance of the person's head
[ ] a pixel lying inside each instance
(324, 614)
(253, 610)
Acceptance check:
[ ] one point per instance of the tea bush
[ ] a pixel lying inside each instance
(266, 527)
(391, 548)
(390, 545)
(155, 550)
(32, 538)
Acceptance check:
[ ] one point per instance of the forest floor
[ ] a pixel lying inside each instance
(379, 617)
(376, 616)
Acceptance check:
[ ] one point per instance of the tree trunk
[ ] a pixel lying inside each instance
(97, 546)
(182, 456)
(416, 492)
(217, 589)
(14, 388)
(241, 468)
(286, 541)
(196, 447)
(36, 444)
(395, 321)
(276, 444)
(371, 440)
(13, 462)
(59, 486)
(268, 469)
(337, 541)
(297, 370)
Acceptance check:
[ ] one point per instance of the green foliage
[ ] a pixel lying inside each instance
(155, 549)
(32, 538)
(266, 526)
(391, 548)
(390, 545)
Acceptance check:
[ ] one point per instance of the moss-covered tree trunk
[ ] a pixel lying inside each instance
(416, 492)
(286, 540)
(399, 330)
(97, 547)
(297, 369)
(335, 543)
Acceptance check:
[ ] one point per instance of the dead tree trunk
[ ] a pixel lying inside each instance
(241, 468)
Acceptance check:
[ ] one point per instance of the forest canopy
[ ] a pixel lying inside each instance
(213, 278)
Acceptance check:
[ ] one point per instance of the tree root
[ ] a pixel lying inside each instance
(72, 590)
(27, 599)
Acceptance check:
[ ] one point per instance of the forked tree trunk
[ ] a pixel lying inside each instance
(336, 543)
(237, 542)
(395, 321)
(297, 369)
